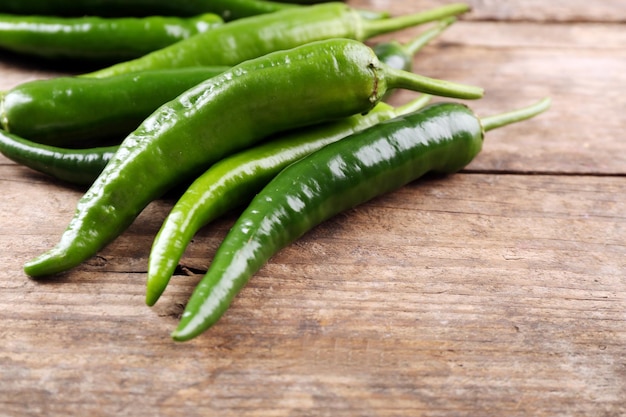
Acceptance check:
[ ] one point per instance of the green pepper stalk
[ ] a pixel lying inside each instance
(442, 138)
(73, 111)
(400, 56)
(307, 85)
(234, 180)
(243, 39)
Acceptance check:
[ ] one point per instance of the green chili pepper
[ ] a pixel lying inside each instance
(248, 38)
(77, 166)
(442, 138)
(401, 56)
(96, 38)
(233, 181)
(228, 9)
(306, 85)
(68, 111)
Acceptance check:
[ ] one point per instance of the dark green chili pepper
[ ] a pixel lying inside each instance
(234, 180)
(248, 38)
(228, 9)
(77, 166)
(442, 138)
(69, 111)
(286, 89)
(401, 56)
(97, 38)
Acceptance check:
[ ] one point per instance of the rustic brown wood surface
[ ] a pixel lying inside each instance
(499, 291)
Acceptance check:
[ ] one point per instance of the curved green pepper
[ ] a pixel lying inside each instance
(96, 38)
(286, 89)
(234, 180)
(77, 166)
(442, 138)
(248, 38)
(70, 111)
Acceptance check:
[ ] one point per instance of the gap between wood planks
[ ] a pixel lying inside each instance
(543, 173)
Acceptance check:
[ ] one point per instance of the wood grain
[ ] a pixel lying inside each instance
(498, 291)
(451, 294)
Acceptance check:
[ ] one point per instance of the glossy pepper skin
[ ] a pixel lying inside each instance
(233, 181)
(95, 38)
(243, 39)
(442, 138)
(76, 111)
(228, 9)
(316, 82)
(76, 166)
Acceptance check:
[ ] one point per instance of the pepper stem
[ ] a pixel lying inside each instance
(503, 119)
(403, 79)
(415, 45)
(372, 28)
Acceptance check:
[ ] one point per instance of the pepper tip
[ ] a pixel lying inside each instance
(187, 329)
(177, 336)
(152, 296)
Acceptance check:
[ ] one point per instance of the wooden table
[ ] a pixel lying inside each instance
(499, 291)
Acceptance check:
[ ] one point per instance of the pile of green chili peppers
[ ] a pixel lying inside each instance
(274, 108)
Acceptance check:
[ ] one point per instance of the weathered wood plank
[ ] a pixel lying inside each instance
(490, 293)
(582, 131)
